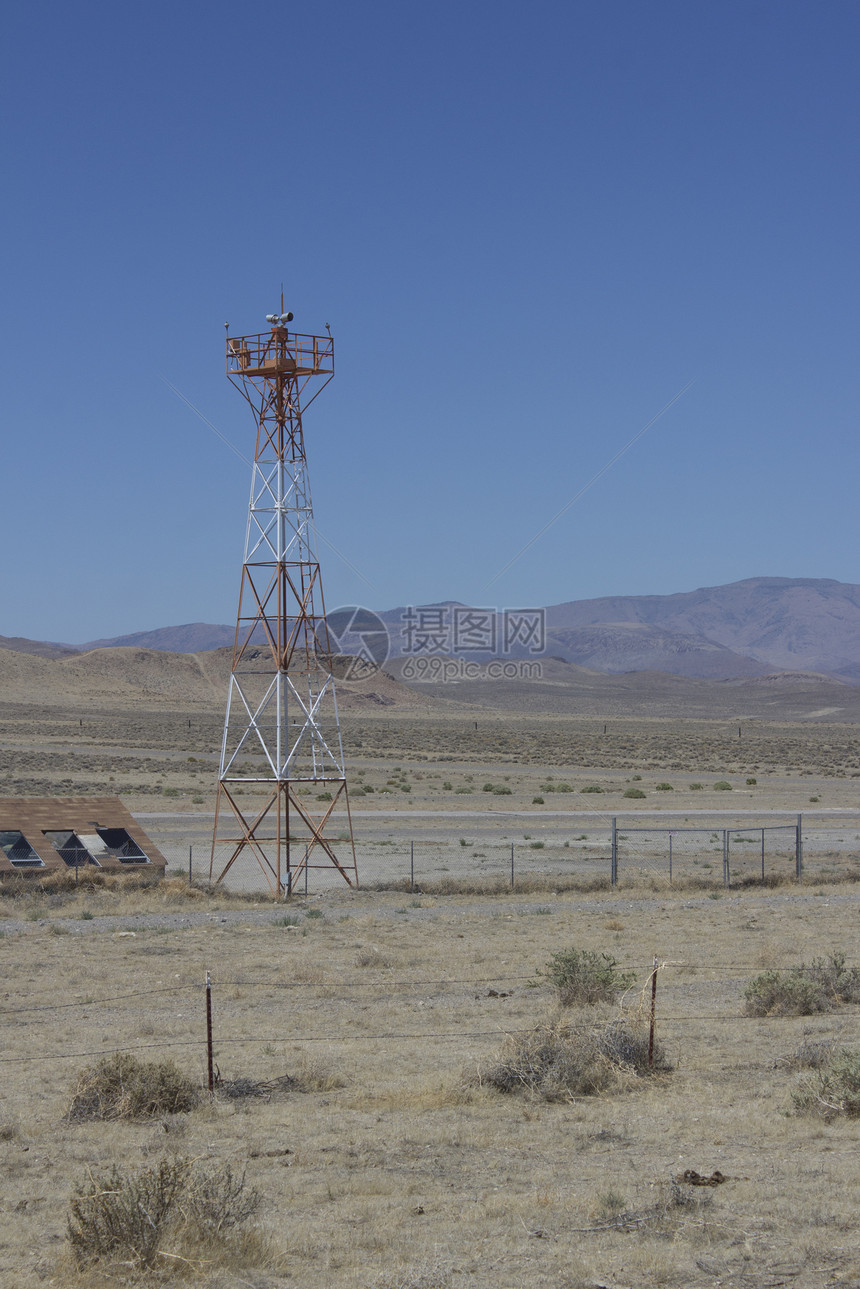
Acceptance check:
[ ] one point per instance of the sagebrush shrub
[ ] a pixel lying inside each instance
(217, 1200)
(125, 1217)
(128, 1218)
(817, 986)
(583, 977)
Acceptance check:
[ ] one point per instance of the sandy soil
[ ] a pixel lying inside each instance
(398, 1169)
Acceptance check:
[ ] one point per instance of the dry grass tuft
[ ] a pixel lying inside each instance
(176, 890)
(310, 1076)
(435, 1273)
(673, 1207)
(560, 1062)
(133, 891)
(554, 1064)
(314, 1075)
(373, 957)
(830, 1088)
(810, 1055)
(532, 885)
(122, 1087)
(63, 881)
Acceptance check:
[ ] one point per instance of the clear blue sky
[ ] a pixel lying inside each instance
(529, 225)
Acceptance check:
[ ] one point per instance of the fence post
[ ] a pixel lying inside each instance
(412, 866)
(798, 850)
(670, 858)
(306, 870)
(762, 854)
(512, 865)
(653, 1012)
(209, 1061)
(190, 851)
(726, 874)
(614, 869)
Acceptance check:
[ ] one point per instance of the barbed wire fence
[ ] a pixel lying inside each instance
(224, 1034)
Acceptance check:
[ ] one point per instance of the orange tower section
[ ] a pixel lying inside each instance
(281, 776)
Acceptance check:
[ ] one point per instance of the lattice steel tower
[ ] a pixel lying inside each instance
(282, 740)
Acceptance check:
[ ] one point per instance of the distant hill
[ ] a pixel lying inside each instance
(788, 624)
(193, 637)
(124, 679)
(746, 628)
(639, 646)
(127, 678)
(566, 689)
(42, 648)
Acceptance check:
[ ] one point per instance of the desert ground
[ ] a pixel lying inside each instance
(361, 1027)
(390, 1161)
(442, 790)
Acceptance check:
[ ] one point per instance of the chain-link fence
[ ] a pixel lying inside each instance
(724, 855)
(575, 849)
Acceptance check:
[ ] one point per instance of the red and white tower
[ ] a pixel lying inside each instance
(281, 775)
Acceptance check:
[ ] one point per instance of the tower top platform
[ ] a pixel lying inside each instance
(280, 352)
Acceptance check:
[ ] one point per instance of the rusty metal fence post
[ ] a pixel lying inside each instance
(762, 854)
(653, 1013)
(209, 1056)
(613, 877)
